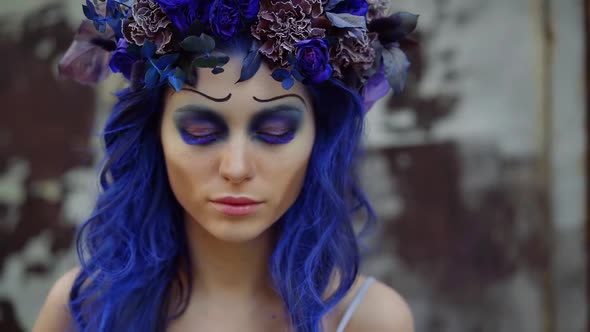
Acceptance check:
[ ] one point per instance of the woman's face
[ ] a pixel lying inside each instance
(237, 154)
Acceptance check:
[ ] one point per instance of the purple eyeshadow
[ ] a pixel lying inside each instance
(195, 140)
(278, 139)
(198, 126)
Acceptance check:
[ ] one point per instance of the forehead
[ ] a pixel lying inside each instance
(228, 95)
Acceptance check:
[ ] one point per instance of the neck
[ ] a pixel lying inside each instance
(226, 269)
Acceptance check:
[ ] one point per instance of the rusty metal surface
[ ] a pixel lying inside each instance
(44, 132)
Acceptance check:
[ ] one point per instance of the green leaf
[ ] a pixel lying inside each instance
(281, 74)
(396, 65)
(89, 10)
(185, 63)
(345, 20)
(288, 83)
(394, 28)
(148, 49)
(331, 4)
(251, 63)
(222, 60)
(217, 70)
(177, 79)
(167, 60)
(151, 77)
(205, 62)
(89, 13)
(200, 44)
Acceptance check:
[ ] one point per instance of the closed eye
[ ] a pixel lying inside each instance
(199, 130)
(276, 137)
(277, 130)
(199, 125)
(200, 135)
(210, 137)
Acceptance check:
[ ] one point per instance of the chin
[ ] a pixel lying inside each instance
(237, 231)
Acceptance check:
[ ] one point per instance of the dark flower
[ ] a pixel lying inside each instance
(183, 13)
(282, 24)
(393, 28)
(148, 21)
(353, 48)
(313, 61)
(85, 61)
(227, 16)
(224, 18)
(122, 61)
(353, 7)
(377, 9)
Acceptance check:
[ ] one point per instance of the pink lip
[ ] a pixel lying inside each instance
(235, 200)
(236, 210)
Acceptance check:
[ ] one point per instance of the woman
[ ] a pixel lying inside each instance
(229, 184)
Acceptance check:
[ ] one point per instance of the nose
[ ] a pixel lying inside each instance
(236, 165)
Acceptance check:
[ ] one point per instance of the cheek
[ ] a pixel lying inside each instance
(187, 170)
(286, 170)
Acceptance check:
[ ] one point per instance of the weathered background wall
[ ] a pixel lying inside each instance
(477, 171)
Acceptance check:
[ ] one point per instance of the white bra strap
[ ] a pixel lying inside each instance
(354, 304)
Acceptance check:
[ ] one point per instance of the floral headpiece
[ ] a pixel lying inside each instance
(156, 41)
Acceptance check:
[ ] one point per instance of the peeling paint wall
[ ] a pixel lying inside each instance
(467, 236)
(452, 166)
(47, 157)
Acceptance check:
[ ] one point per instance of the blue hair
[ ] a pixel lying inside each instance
(133, 246)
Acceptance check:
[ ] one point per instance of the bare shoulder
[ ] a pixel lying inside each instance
(54, 315)
(382, 309)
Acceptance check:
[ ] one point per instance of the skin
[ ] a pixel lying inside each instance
(231, 253)
(240, 159)
(231, 289)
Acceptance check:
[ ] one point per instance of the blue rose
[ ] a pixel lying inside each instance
(121, 60)
(183, 13)
(313, 61)
(226, 17)
(249, 8)
(353, 7)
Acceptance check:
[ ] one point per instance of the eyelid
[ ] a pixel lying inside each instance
(274, 126)
(200, 126)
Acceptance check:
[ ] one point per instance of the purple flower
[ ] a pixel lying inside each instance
(375, 88)
(249, 8)
(313, 61)
(283, 23)
(148, 21)
(353, 7)
(183, 13)
(224, 18)
(85, 62)
(228, 16)
(122, 61)
(352, 49)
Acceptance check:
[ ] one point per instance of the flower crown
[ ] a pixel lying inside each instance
(152, 42)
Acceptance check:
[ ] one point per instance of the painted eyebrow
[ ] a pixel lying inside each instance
(219, 100)
(280, 97)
